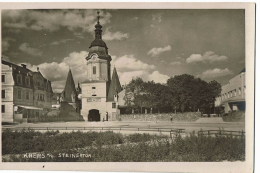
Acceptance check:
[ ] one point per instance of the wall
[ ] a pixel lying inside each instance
(234, 91)
(93, 102)
(101, 69)
(187, 116)
(8, 86)
(23, 100)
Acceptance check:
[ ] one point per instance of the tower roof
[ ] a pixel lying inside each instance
(115, 86)
(69, 88)
(98, 35)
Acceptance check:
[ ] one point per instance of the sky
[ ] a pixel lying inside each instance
(151, 44)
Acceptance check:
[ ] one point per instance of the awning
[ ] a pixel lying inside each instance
(30, 107)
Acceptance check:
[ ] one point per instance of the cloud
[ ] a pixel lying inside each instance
(176, 63)
(130, 63)
(208, 56)
(156, 76)
(215, 73)
(25, 47)
(62, 41)
(6, 43)
(129, 67)
(108, 35)
(157, 51)
(53, 20)
(57, 72)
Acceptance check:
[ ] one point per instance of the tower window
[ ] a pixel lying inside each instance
(93, 88)
(94, 70)
(113, 105)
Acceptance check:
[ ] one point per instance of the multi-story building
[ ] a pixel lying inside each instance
(26, 95)
(232, 97)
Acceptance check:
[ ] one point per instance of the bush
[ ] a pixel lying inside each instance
(114, 147)
(235, 116)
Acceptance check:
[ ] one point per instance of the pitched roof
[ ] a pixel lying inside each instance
(69, 88)
(115, 86)
(24, 72)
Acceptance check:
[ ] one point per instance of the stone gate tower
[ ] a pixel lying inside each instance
(95, 90)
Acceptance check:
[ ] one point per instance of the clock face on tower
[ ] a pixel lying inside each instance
(94, 56)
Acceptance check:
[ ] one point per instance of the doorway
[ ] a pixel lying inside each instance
(93, 115)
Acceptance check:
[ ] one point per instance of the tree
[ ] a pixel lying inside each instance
(181, 93)
(182, 88)
(191, 94)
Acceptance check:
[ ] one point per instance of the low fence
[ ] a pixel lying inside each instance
(151, 129)
(173, 132)
(221, 133)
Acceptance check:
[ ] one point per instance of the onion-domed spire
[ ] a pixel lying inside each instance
(98, 35)
(98, 30)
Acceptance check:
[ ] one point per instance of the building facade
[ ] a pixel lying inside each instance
(99, 92)
(26, 95)
(233, 94)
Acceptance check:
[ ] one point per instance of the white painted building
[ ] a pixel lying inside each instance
(232, 96)
(99, 96)
(7, 109)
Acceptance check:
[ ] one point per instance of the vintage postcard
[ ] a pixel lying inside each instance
(158, 87)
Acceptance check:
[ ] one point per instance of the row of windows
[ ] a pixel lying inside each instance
(20, 81)
(231, 94)
(40, 97)
(19, 94)
(27, 81)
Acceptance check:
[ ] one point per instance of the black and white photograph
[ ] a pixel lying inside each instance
(126, 85)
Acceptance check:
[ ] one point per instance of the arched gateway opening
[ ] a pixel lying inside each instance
(93, 115)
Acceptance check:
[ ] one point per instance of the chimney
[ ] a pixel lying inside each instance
(23, 65)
